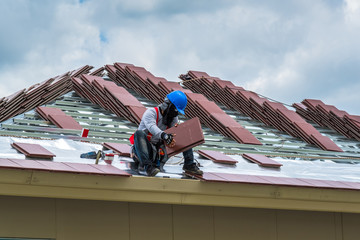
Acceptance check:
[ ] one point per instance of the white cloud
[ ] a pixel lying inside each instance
(352, 11)
(288, 51)
(343, 96)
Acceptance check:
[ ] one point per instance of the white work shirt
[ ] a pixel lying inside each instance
(148, 124)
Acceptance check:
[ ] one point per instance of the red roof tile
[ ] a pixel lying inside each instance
(325, 143)
(64, 121)
(44, 112)
(281, 181)
(62, 167)
(120, 148)
(188, 135)
(217, 157)
(261, 160)
(32, 150)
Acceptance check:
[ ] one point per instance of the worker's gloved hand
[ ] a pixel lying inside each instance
(168, 138)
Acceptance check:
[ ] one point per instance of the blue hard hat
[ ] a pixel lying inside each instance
(179, 99)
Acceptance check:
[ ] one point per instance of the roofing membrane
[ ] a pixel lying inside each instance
(112, 107)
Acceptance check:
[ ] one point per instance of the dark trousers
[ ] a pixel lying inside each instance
(145, 151)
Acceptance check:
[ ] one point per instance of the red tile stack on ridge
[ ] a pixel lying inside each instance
(329, 116)
(98, 72)
(136, 78)
(109, 96)
(215, 118)
(38, 94)
(156, 88)
(251, 104)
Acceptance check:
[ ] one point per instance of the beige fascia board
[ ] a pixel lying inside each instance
(14, 182)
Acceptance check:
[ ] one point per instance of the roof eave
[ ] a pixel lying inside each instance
(32, 183)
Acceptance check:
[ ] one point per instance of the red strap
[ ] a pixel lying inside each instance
(157, 115)
(131, 139)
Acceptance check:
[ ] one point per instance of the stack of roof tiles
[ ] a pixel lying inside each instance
(109, 96)
(38, 94)
(156, 89)
(249, 103)
(98, 72)
(329, 116)
(215, 118)
(136, 78)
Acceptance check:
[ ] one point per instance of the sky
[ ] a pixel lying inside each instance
(287, 50)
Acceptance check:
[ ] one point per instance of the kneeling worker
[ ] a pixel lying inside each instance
(150, 136)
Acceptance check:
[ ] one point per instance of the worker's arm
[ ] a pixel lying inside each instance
(149, 119)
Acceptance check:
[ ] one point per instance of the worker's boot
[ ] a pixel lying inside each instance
(134, 166)
(192, 169)
(151, 170)
(161, 167)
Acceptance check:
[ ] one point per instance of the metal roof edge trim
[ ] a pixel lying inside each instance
(32, 183)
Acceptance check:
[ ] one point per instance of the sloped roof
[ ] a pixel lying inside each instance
(95, 100)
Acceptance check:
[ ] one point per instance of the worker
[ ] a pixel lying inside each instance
(148, 140)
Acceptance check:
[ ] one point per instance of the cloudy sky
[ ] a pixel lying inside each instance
(287, 50)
